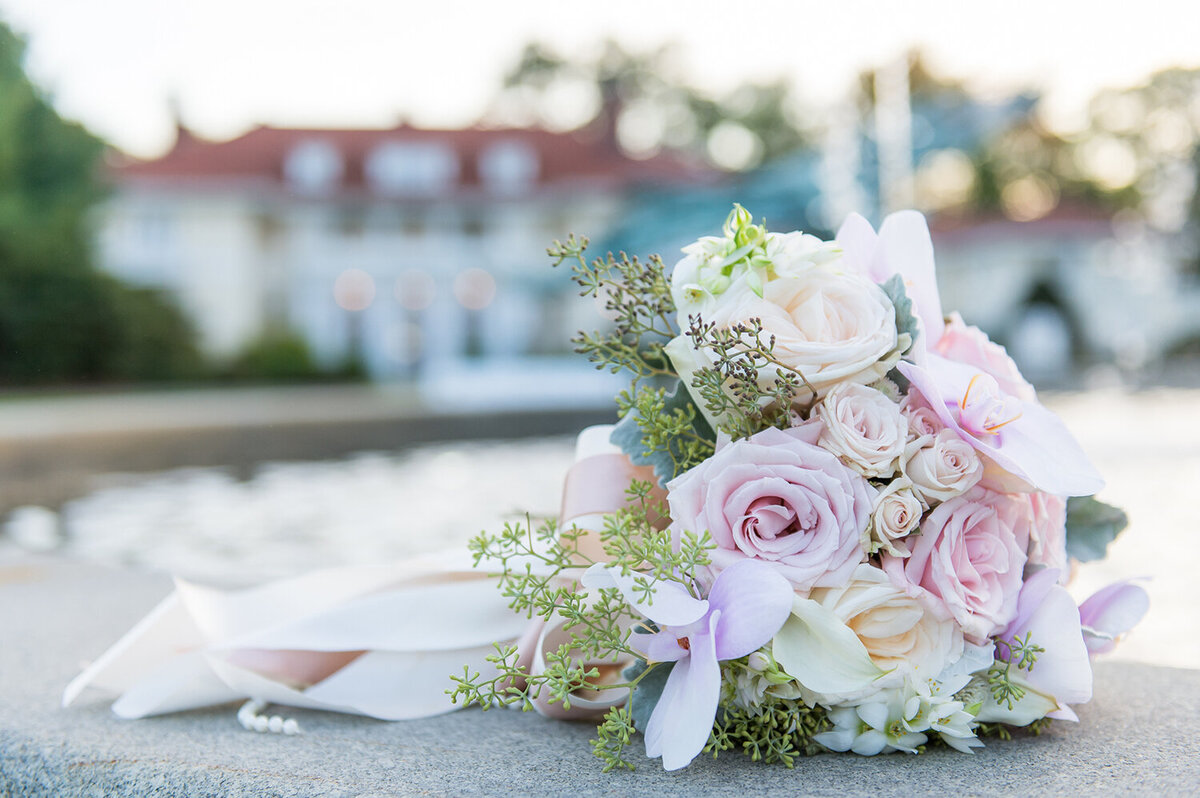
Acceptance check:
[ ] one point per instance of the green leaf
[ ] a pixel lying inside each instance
(629, 436)
(906, 320)
(1091, 526)
(755, 281)
(822, 652)
(649, 690)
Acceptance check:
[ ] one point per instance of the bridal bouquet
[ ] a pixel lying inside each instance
(829, 519)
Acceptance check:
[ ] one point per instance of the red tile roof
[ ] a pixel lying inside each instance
(1066, 219)
(258, 157)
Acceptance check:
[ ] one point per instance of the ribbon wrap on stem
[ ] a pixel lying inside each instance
(595, 486)
(356, 639)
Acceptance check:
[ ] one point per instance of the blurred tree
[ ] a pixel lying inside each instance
(639, 100)
(977, 155)
(277, 355)
(60, 319)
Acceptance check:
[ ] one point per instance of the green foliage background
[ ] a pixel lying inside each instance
(61, 320)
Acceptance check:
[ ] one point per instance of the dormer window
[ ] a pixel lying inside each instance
(314, 167)
(508, 167)
(405, 169)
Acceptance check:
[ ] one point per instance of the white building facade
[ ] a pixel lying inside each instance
(399, 247)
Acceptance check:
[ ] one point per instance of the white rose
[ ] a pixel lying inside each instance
(942, 467)
(828, 326)
(897, 514)
(864, 428)
(897, 631)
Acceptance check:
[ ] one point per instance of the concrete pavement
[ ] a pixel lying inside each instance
(1137, 736)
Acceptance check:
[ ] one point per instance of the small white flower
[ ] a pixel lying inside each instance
(874, 727)
(928, 708)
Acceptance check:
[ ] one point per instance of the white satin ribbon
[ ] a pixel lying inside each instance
(380, 641)
(377, 640)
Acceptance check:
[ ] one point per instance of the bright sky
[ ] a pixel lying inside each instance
(113, 64)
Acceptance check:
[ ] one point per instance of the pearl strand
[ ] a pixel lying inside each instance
(252, 720)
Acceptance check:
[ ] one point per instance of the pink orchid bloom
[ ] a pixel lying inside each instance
(748, 603)
(1111, 612)
(1047, 613)
(1016, 436)
(902, 246)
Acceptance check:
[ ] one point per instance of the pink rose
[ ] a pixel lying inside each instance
(921, 418)
(968, 560)
(1048, 532)
(777, 496)
(970, 345)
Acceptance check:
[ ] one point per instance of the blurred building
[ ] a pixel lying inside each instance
(397, 247)
(1076, 284)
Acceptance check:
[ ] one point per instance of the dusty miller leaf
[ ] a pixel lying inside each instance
(629, 437)
(1091, 526)
(906, 320)
(649, 690)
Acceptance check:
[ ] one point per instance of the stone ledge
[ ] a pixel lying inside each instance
(1138, 735)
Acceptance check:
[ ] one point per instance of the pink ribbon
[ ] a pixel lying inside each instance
(595, 486)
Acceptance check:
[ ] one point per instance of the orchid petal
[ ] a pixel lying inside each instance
(1033, 592)
(836, 740)
(1035, 446)
(1040, 448)
(823, 654)
(1031, 706)
(905, 243)
(670, 604)
(658, 647)
(858, 241)
(1110, 612)
(683, 719)
(1063, 670)
(1063, 712)
(754, 600)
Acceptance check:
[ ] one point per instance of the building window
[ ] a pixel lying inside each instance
(508, 167)
(314, 167)
(405, 169)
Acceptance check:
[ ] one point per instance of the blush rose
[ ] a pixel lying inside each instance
(969, 560)
(777, 496)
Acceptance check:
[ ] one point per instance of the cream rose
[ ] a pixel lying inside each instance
(944, 466)
(862, 427)
(897, 513)
(828, 326)
(899, 633)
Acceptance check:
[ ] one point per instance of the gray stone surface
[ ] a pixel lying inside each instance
(1137, 736)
